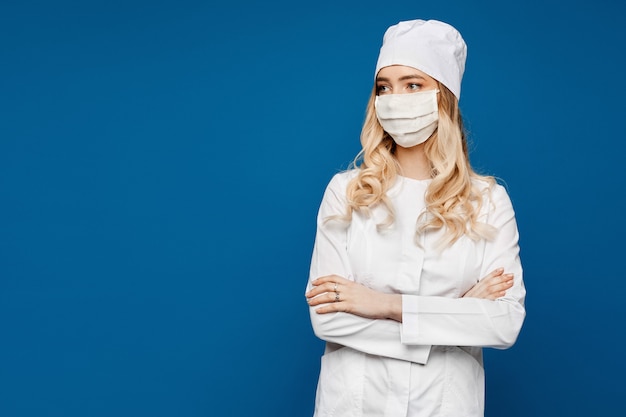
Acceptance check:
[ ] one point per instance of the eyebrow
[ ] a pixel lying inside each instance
(403, 78)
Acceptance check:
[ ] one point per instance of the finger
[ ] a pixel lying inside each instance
(503, 288)
(497, 277)
(322, 288)
(325, 309)
(314, 292)
(321, 299)
(507, 285)
(490, 280)
(504, 283)
(330, 308)
(325, 298)
(324, 279)
(329, 278)
(495, 273)
(496, 280)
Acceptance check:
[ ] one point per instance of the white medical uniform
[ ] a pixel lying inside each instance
(431, 363)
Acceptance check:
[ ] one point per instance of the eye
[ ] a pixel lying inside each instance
(414, 86)
(382, 89)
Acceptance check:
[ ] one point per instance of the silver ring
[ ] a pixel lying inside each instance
(336, 296)
(335, 289)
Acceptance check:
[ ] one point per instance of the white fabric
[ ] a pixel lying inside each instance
(410, 119)
(431, 364)
(431, 46)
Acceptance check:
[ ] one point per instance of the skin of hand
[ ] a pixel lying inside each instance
(492, 286)
(354, 298)
(357, 299)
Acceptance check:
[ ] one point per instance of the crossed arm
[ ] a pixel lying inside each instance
(403, 326)
(332, 293)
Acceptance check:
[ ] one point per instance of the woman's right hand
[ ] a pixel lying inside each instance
(492, 286)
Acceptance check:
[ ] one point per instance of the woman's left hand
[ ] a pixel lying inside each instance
(334, 293)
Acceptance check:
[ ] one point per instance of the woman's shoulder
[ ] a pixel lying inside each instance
(489, 185)
(340, 180)
(494, 190)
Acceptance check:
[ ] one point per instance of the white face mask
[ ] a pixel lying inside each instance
(410, 119)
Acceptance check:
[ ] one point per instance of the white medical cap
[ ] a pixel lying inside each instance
(431, 46)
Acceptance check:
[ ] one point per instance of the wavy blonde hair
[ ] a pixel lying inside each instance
(453, 200)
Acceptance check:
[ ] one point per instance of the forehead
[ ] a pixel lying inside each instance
(401, 71)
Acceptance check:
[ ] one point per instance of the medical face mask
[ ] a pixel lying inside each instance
(410, 119)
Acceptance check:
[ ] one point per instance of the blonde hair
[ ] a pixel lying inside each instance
(453, 201)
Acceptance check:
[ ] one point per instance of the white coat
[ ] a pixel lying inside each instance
(431, 363)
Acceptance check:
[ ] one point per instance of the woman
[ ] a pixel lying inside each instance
(402, 242)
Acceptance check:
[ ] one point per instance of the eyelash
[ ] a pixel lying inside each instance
(412, 86)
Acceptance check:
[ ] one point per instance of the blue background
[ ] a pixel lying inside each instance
(161, 166)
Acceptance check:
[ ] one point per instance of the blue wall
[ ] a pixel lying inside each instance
(161, 165)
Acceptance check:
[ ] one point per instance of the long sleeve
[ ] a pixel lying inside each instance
(377, 337)
(473, 321)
